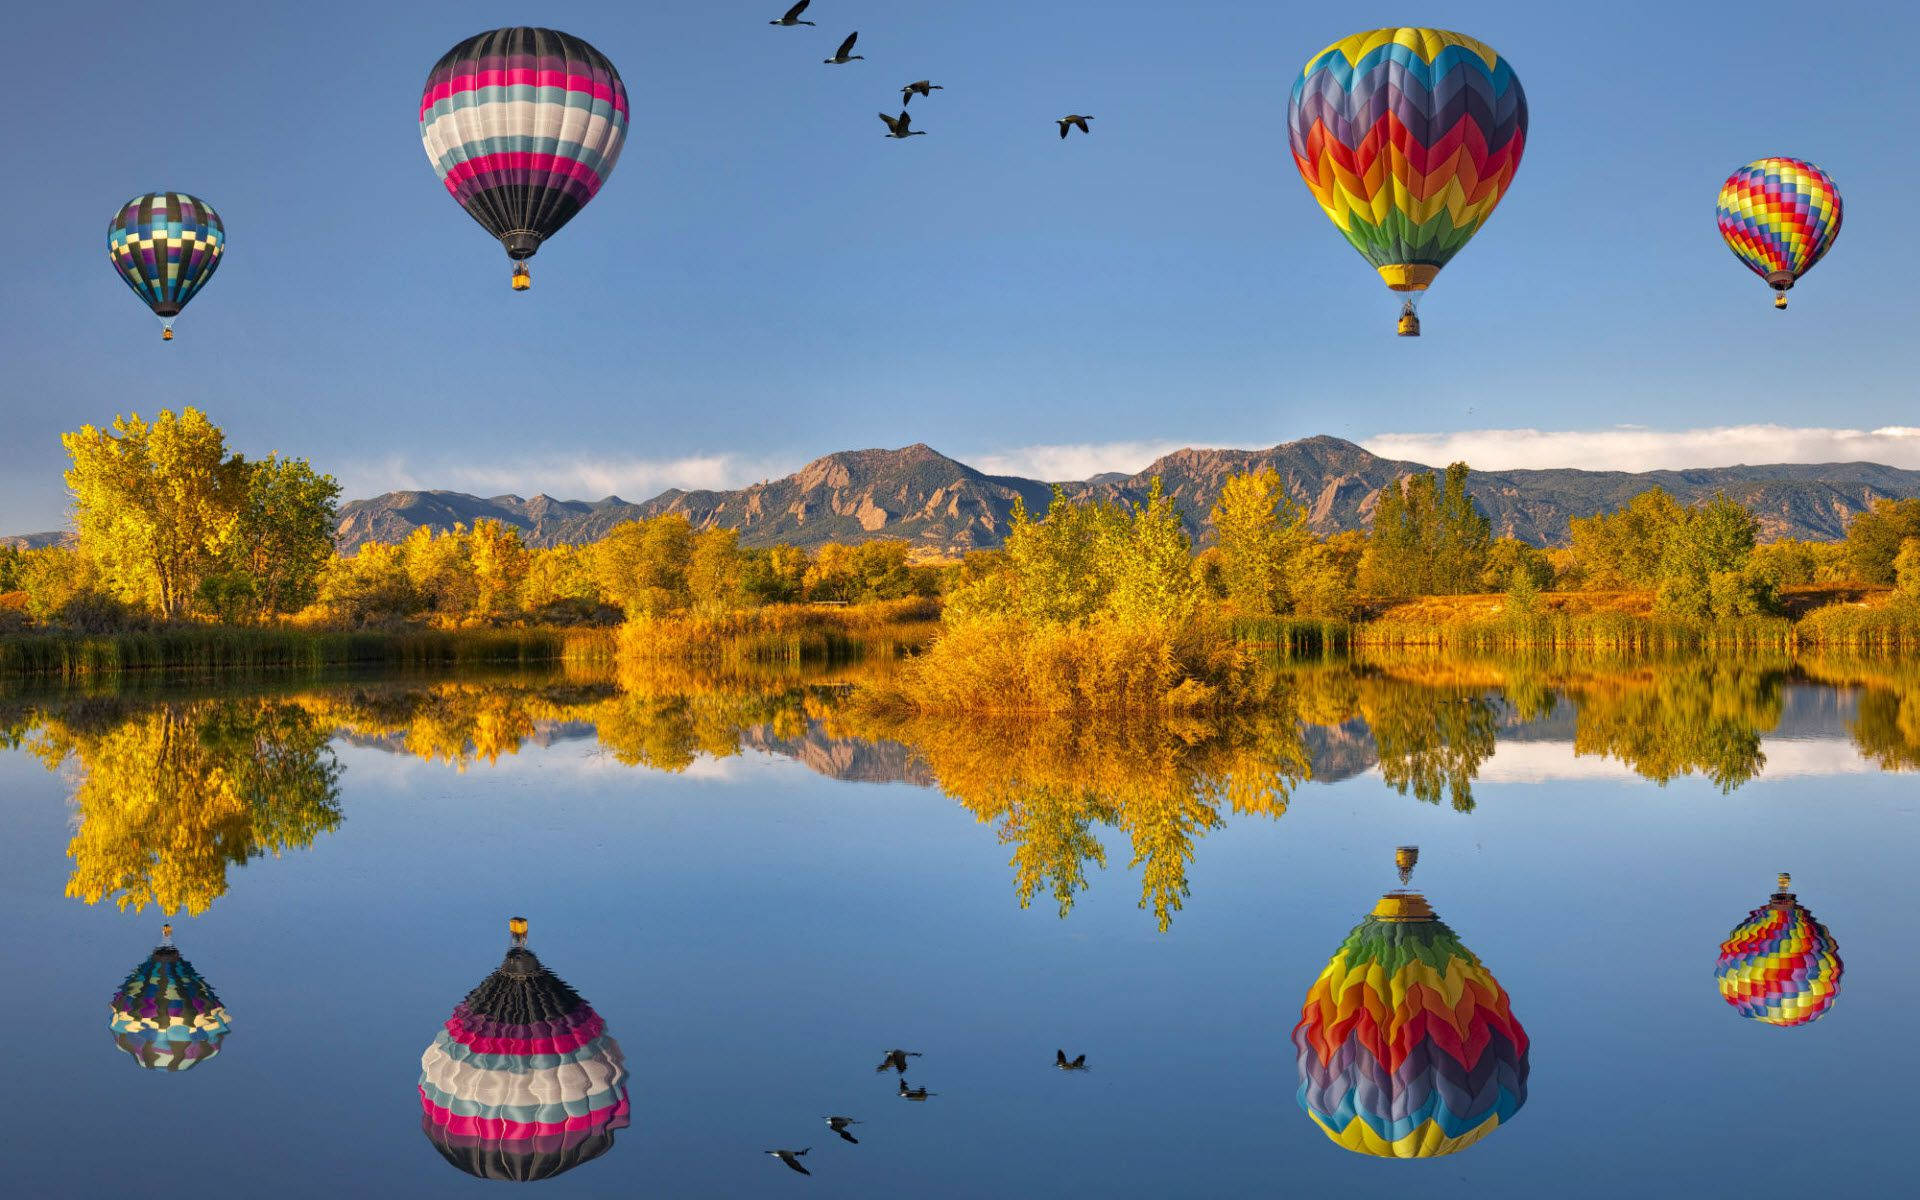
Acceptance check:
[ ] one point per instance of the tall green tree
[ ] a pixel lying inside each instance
(1874, 538)
(1461, 539)
(642, 565)
(1153, 580)
(283, 533)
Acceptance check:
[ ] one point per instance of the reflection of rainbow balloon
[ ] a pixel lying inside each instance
(1408, 138)
(1406, 1045)
(1780, 965)
(523, 1083)
(1779, 216)
(165, 1015)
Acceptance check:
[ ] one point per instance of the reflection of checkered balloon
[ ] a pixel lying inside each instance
(1780, 965)
(1779, 216)
(166, 1016)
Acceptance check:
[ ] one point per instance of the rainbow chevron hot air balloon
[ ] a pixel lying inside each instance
(1408, 138)
(1780, 965)
(1406, 1045)
(1779, 216)
(524, 1082)
(165, 1015)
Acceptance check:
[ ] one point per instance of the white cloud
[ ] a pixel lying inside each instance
(565, 477)
(1635, 448)
(1072, 462)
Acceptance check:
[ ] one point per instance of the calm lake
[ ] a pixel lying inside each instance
(762, 890)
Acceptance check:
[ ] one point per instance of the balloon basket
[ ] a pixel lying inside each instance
(1409, 325)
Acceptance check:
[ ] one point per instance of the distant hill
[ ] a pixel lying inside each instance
(921, 495)
(38, 541)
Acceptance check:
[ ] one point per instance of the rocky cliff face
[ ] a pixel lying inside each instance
(921, 495)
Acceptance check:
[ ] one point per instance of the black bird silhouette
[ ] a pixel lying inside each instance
(919, 1093)
(901, 126)
(839, 1126)
(792, 1158)
(1060, 1060)
(925, 87)
(793, 15)
(897, 1059)
(1073, 121)
(841, 55)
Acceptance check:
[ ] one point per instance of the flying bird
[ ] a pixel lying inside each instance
(919, 1093)
(792, 1158)
(898, 127)
(1073, 121)
(839, 1126)
(841, 55)
(925, 87)
(793, 15)
(1060, 1060)
(897, 1059)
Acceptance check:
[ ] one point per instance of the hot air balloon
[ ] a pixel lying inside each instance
(1408, 138)
(166, 245)
(165, 1015)
(524, 1082)
(1406, 1045)
(523, 126)
(1780, 965)
(1779, 216)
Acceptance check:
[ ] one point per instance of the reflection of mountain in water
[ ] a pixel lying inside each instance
(851, 760)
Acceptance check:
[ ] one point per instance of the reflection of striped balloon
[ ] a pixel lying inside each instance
(166, 245)
(523, 126)
(1780, 965)
(1408, 138)
(1779, 216)
(1406, 1045)
(523, 1082)
(166, 1016)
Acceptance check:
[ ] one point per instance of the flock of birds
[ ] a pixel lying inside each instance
(894, 1060)
(901, 127)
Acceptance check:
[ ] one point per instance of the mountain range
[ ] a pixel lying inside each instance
(946, 506)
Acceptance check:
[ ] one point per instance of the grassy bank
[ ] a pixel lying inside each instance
(785, 634)
(212, 650)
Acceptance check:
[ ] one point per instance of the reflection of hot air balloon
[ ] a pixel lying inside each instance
(523, 1083)
(1408, 138)
(165, 1015)
(523, 126)
(1406, 1046)
(1780, 965)
(166, 245)
(1406, 858)
(1779, 216)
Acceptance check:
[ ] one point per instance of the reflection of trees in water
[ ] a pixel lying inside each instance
(1886, 720)
(1050, 784)
(168, 796)
(1683, 718)
(1431, 730)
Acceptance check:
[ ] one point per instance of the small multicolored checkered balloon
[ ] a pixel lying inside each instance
(165, 1015)
(1407, 1046)
(166, 246)
(523, 1082)
(1780, 965)
(1779, 216)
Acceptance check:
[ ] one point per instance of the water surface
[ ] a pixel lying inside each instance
(762, 889)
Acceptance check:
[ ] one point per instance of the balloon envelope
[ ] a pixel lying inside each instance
(1406, 1045)
(1780, 965)
(1409, 139)
(523, 1082)
(166, 1016)
(166, 246)
(1779, 216)
(523, 126)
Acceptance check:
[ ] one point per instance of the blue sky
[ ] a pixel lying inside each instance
(765, 278)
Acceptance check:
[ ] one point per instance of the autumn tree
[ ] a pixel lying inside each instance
(155, 504)
(714, 570)
(642, 565)
(500, 563)
(368, 587)
(1153, 578)
(282, 535)
(1906, 573)
(1461, 536)
(1270, 562)
(1702, 570)
(1874, 538)
(560, 583)
(440, 570)
(1625, 549)
(1509, 557)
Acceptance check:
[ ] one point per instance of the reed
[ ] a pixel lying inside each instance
(785, 633)
(1613, 632)
(220, 650)
(1887, 627)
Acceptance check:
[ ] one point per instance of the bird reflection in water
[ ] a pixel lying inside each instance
(1077, 1064)
(914, 1093)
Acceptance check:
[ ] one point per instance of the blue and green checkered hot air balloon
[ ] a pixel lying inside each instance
(165, 1015)
(166, 245)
